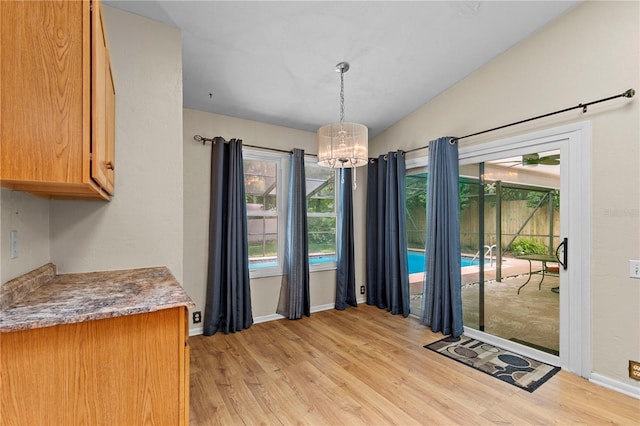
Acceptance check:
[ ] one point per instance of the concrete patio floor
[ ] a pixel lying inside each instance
(531, 317)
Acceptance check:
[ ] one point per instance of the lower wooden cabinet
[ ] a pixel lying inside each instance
(128, 370)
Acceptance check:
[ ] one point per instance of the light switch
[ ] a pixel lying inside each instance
(634, 268)
(14, 244)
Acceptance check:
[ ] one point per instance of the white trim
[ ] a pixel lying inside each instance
(274, 317)
(630, 390)
(575, 297)
(580, 147)
(323, 266)
(323, 307)
(490, 149)
(412, 163)
(512, 346)
(196, 331)
(266, 318)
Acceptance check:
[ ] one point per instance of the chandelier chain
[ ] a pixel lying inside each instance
(341, 96)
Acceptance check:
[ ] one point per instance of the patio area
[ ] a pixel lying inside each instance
(531, 317)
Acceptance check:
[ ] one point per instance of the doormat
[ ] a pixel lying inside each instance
(519, 370)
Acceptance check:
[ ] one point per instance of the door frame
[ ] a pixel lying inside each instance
(575, 292)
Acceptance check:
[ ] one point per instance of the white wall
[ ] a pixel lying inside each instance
(142, 225)
(264, 291)
(590, 53)
(29, 216)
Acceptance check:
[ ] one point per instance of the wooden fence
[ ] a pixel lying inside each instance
(514, 215)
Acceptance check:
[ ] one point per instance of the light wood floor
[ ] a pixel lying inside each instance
(365, 366)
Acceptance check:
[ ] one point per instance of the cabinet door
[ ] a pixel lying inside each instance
(47, 81)
(44, 100)
(102, 106)
(115, 371)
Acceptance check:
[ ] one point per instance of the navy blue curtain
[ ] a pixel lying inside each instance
(442, 298)
(387, 265)
(346, 275)
(294, 291)
(228, 299)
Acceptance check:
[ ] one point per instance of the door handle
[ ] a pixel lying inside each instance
(563, 262)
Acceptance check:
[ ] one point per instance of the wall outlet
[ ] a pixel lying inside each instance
(634, 370)
(634, 268)
(361, 289)
(197, 317)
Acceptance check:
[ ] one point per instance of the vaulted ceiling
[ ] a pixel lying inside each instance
(274, 61)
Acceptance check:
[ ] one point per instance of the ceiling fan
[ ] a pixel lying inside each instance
(533, 160)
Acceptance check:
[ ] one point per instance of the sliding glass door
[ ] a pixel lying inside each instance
(521, 200)
(509, 233)
(510, 223)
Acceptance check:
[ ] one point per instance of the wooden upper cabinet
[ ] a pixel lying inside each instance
(57, 100)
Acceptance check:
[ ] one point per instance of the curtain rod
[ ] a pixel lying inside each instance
(628, 94)
(199, 138)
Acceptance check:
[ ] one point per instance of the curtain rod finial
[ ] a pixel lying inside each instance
(629, 93)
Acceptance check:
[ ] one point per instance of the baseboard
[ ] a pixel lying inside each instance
(630, 390)
(266, 318)
(323, 307)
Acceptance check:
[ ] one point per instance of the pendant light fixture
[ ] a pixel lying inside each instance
(343, 145)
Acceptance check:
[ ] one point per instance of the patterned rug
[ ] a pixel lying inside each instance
(520, 371)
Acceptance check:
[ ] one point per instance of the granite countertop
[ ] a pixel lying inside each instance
(41, 298)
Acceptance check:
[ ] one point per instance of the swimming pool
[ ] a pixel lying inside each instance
(313, 260)
(416, 261)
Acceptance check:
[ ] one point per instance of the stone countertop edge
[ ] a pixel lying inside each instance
(15, 289)
(40, 298)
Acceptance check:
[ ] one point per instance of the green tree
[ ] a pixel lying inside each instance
(534, 197)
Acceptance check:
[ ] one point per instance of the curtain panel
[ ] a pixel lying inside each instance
(294, 299)
(442, 294)
(386, 255)
(228, 296)
(345, 274)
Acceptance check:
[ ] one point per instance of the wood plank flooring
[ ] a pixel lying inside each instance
(366, 366)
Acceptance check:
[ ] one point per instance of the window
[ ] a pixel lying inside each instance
(321, 216)
(266, 183)
(265, 215)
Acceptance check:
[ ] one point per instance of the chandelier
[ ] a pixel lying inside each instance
(343, 145)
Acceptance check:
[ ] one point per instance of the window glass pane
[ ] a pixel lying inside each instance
(321, 205)
(321, 213)
(321, 195)
(260, 183)
(261, 188)
(263, 236)
(322, 235)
